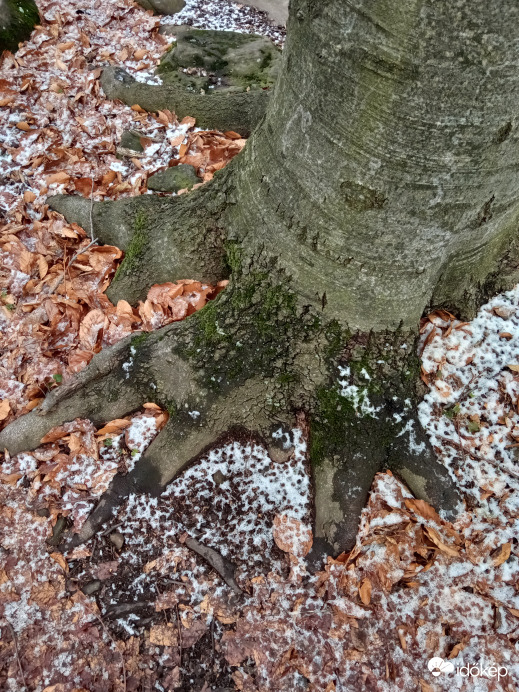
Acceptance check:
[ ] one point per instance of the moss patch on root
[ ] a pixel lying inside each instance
(136, 248)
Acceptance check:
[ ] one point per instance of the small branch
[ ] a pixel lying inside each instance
(179, 630)
(13, 635)
(460, 446)
(91, 212)
(224, 568)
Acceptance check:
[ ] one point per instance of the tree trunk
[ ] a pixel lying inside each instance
(378, 184)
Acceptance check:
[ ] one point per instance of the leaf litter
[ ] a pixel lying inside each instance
(157, 617)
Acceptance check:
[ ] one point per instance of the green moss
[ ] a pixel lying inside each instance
(136, 248)
(331, 420)
(247, 331)
(233, 256)
(140, 339)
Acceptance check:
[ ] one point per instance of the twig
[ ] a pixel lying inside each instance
(13, 635)
(493, 463)
(71, 262)
(224, 568)
(111, 528)
(179, 636)
(92, 212)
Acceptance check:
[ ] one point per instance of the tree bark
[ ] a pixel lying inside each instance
(378, 184)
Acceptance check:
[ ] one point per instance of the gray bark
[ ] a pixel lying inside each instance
(384, 172)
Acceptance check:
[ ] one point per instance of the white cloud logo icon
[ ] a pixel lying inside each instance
(437, 666)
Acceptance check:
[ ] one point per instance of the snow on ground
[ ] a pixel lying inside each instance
(226, 16)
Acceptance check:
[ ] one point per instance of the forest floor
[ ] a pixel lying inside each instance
(135, 608)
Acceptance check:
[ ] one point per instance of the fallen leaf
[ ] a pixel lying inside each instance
(291, 535)
(365, 591)
(423, 508)
(435, 538)
(5, 408)
(164, 635)
(502, 554)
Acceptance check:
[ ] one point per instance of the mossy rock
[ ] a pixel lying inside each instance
(207, 60)
(17, 20)
(163, 6)
(173, 179)
(131, 139)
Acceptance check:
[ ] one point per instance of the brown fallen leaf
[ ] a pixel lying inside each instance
(365, 591)
(58, 557)
(60, 177)
(5, 408)
(114, 426)
(502, 554)
(164, 635)
(291, 535)
(424, 509)
(435, 538)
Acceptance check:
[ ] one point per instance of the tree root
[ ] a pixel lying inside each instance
(238, 111)
(164, 238)
(251, 359)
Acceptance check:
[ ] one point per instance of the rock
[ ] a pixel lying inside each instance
(92, 587)
(219, 478)
(163, 6)
(204, 61)
(17, 20)
(117, 539)
(131, 139)
(174, 179)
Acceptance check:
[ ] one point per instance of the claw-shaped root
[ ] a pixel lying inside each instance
(99, 393)
(238, 111)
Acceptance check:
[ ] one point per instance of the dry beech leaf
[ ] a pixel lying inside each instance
(114, 426)
(22, 125)
(60, 177)
(513, 367)
(502, 554)
(291, 535)
(58, 557)
(424, 509)
(365, 591)
(435, 538)
(164, 635)
(5, 408)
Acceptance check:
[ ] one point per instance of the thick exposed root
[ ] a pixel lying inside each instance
(370, 445)
(99, 393)
(412, 458)
(164, 238)
(237, 111)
